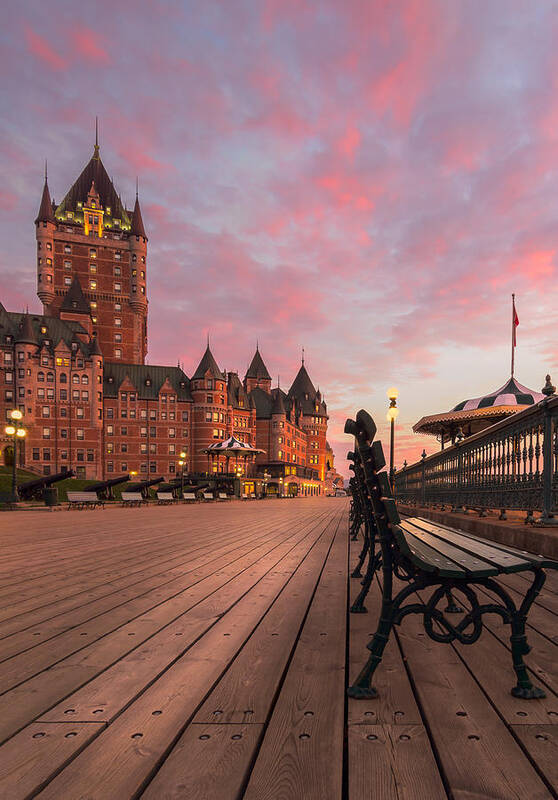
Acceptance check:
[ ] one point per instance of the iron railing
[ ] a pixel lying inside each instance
(510, 465)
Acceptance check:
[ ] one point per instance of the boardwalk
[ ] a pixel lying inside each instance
(201, 652)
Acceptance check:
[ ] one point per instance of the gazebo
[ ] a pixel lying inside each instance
(471, 416)
(231, 448)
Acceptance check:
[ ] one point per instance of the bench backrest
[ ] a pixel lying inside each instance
(165, 496)
(374, 484)
(223, 495)
(132, 496)
(189, 495)
(81, 497)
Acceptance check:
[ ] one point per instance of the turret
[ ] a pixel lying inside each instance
(257, 374)
(45, 226)
(138, 258)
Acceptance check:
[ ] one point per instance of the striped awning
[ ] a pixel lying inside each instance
(511, 393)
(232, 446)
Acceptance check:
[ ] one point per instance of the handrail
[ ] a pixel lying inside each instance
(513, 464)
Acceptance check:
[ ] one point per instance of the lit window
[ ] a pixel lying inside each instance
(67, 281)
(118, 353)
(117, 255)
(92, 253)
(117, 271)
(67, 264)
(117, 307)
(117, 322)
(92, 284)
(92, 268)
(117, 287)
(67, 248)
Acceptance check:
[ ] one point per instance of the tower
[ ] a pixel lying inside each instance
(91, 236)
(257, 374)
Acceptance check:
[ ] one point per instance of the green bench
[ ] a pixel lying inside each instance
(443, 562)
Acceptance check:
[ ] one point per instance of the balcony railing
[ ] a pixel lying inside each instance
(510, 465)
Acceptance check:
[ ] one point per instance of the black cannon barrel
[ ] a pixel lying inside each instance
(104, 488)
(143, 486)
(34, 487)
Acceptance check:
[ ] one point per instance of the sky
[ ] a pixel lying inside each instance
(366, 179)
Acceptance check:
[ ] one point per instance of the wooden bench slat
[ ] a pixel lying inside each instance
(471, 563)
(424, 556)
(504, 560)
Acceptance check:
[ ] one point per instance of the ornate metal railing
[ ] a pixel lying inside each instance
(511, 465)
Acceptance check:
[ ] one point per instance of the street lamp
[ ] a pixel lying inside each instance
(16, 431)
(181, 465)
(392, 413)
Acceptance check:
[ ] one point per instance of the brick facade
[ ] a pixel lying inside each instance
(78, 370)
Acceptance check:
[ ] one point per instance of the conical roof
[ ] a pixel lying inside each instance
(511, 393)
(75, 300)
(137, 221)
(302, 387)
(46, 213)
(208, 363)
(257, 368)
(94, 348)
(26, 333)
(278, 406)
(94, 172)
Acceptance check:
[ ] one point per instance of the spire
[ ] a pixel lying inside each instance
(257, 368)
(94, 349)
(75, 301)
(96, 148)
(46, 213)
(137, 221)
(303, 356)
(207, 364)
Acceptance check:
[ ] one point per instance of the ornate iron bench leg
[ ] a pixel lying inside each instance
(356, 573)
(358, 606)
(361, 688)
(452, 607)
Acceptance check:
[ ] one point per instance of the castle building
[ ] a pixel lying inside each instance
(78, 373)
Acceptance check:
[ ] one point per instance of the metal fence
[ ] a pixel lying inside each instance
(511, 465)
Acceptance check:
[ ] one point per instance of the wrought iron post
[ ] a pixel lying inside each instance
(423, 487)
(547, 515)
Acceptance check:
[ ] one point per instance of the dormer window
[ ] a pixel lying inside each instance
(148, 381)
(43, 329)
(111, 379)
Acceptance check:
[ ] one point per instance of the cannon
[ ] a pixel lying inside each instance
(104, 488)
(34, 488)
(143, 486)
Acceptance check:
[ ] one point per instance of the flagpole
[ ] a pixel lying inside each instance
(513, 330)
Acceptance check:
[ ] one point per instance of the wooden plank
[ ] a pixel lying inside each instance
(302, 750)
(425, 557)
(123, 756)
(208, 763)
(392, 762)
(541, 742)
(246, 691)
(36, 695)
(24, 665)
(477, 752)
(26, 762)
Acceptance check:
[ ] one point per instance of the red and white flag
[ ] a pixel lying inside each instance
(515, 324)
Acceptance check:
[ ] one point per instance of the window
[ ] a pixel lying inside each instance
(143, 274)
(152, 448)
(117, 322)
(67, 264)
(153, 431)
(117, 255)
(209, 398)
(117, 352)
(123, 431)
(67, 281)
(80, 413)
(46, 454)
(110, 430)
(172, 449)
(117, 287)
(134, 258)
(92, 251)
(110, 413)
(110, 466)
(124, 447)
(171, 467)
(208, 416)
(80, 455)
(63, 377)
(10, 377)
(46, 411)
(63, 411)
(117, 271)
(80, 433)
(64, 433)
(124, 467)
(215, 433)
(75, 378)
(90, 455)
(172, 433)
(117, 337)
(110, 448)
(67, 248)
(280, 454)
(46, 433)
(143, 449)
(36, 454)
(153, 466)
(117, 307)
(92, 284)
(143, 431)
(92, 268)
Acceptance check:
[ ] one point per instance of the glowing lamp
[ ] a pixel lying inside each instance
(183, 455)
(180, 463)
(21, 432)
(392, 393)
(16, 414)
(392, 413)
(10, 430)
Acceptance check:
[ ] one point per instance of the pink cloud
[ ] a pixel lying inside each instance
(87, 45)
(42, 49)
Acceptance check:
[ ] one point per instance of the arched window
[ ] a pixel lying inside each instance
(41, 377)
(50, 377)
(63, 377)
(75, 378)
(85, 379)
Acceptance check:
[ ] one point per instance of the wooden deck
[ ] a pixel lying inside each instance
(202, 652)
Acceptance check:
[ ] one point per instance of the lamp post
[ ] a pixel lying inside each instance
(392, 413)
(181, 465)
(16, 431)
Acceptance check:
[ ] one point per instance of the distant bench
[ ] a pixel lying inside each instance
(83, 500)
(132, 499)
(416, 556)
(165, 498)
